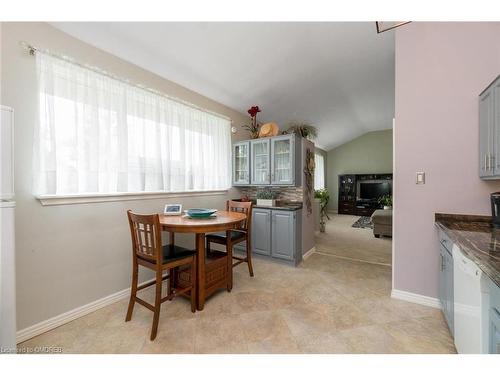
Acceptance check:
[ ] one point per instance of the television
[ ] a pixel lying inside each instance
(374, 190)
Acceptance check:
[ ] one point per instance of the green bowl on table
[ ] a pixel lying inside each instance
(200, 213)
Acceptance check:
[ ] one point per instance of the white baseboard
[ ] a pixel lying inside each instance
(416, 298)
(59, 320)
(310, 252)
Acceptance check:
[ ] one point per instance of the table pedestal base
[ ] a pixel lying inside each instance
(216, 275)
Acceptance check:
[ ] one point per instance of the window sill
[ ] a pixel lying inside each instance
(56, 200)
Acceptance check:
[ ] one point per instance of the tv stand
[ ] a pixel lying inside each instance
(349, 204)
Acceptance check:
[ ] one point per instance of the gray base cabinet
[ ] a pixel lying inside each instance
(446, 280)
(283, 229)
(447, 301)
(494, 319)
(261, 231)
(495, 333)
(276, 234)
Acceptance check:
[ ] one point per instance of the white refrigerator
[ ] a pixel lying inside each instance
(7, 233)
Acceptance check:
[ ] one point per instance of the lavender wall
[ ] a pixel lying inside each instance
(440, 70)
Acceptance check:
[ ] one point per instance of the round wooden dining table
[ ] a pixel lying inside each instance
(223, 221)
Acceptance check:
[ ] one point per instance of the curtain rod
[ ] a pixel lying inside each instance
(32, 50)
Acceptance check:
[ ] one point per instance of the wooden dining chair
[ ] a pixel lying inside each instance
(147, 251)
(243, 233)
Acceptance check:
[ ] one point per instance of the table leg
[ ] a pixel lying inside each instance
(200, 252)
(171, 271)
(229, 249)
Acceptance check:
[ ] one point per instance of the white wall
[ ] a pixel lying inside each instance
(71, 255)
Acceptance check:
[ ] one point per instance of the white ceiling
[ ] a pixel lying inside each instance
(339, 76)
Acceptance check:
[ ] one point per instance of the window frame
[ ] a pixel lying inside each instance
(95, 197)
(316, 154)
(57, 200)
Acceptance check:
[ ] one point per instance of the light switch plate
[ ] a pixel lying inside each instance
(420, 178)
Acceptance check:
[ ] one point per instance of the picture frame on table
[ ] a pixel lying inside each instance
(173, 209)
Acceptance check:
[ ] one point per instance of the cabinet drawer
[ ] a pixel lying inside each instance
(346, 204)
(445, 241)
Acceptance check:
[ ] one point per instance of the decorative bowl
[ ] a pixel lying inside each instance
(200, 213)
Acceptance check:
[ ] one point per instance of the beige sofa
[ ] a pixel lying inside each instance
(382, 223)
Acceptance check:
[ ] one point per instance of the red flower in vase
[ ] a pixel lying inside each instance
(253, 111)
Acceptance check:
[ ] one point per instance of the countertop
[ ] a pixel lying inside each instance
(285, 207)
(477, 239)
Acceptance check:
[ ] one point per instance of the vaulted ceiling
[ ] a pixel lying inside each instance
(339, 76)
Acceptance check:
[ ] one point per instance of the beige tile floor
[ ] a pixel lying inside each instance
(327, 305)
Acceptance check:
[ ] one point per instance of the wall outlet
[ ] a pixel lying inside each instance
(420, 178)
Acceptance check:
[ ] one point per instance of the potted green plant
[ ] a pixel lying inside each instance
(303, 129)
(386, 201)
(266, 197)
(324, 197)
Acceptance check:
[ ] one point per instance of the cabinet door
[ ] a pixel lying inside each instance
(261, 231)
(442, 279)
(449, 311)
(495, 124)
(486, 128)
(283, 234)
(241, 163)
(494, 318)
(283, 160)
(494, 331)
(446, 286)
(261, 171)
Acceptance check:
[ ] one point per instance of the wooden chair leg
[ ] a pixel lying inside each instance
(207, 246)
(249, 257)
(133, 291)
(171, 282)
(156, 316)
(193, 285)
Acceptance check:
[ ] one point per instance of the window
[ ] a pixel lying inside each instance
(319, 172)
(97, 134)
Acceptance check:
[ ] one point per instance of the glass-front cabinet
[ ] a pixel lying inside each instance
(282, 160)
(261, 170)
(267, 161)
(241, 163)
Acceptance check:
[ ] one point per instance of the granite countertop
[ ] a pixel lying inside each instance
(477, 239)
(285, 207)
(280, 205)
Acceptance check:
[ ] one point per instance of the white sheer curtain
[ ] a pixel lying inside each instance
(98, 134)
(319, 172)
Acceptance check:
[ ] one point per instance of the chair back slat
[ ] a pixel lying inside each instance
(243, 207)
(146, 235)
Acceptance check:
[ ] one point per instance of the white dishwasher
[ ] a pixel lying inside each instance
(471, 305)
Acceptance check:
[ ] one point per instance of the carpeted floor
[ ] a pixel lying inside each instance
(342, 240)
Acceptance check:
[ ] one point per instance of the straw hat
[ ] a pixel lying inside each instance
(269, 129)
